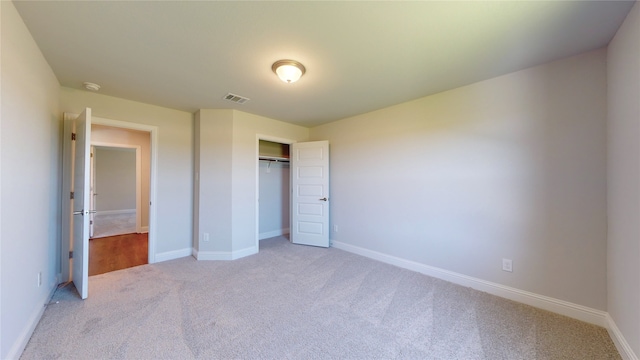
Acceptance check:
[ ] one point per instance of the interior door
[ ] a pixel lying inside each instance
(92, 192)
(81, 195)
(310, 193)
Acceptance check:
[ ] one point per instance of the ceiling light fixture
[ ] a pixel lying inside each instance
(91, 86)
(288, 71)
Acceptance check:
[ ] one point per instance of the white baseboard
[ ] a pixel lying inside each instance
(18, 347)
(170, 255)
(576, 311)
(144, 229)
(116, 212)
(626, 352)
(212, 255)
(251, 250)
(270, 234)
(224, 255)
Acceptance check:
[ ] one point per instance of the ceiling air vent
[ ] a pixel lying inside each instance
(236, 98)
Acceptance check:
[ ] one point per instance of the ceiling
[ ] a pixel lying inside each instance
(360, 56)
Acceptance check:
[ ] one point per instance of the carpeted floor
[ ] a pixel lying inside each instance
(113, 224)
(298, 302)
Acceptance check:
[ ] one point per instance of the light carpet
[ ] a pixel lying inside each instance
(298, 302)
(113, 224)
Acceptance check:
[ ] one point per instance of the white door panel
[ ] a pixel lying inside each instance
(310, 193)
(92, 194)
(81, 201)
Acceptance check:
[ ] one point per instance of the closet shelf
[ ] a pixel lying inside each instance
(274, 158)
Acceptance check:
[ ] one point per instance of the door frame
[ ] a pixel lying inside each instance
(65, 274)
(274, 139)
(138, 150)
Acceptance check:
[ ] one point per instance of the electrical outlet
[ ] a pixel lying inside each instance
(335, 228)
(205, 237)
(507, 265)
(39, 278)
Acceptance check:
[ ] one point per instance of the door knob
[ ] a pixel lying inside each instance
(81, 212)
(323, 199)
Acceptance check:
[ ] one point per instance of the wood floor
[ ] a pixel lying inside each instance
(117, 252)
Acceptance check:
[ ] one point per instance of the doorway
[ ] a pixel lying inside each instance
(145, 203)
(273, 189)
(307, 189)
(119, 187)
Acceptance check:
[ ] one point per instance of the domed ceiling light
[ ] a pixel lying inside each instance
(288, 71)
(91, 86)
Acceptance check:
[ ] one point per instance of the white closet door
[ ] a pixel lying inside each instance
(310, 193)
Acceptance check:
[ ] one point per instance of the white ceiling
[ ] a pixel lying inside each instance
(360, 56)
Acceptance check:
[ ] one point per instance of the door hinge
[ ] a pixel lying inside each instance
(73, 136)
(70, 254)
(90, 222)
(72, 195)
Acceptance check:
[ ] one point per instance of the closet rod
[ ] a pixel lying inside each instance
(284, 161)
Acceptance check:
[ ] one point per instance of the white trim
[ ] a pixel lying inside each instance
(211, 255)
(171, 255)
(116, 212)
(274, 233)
(625, 350)
(21, 342)
(144, 229)
(576, 311)
(224, 255)
(251, 250)
(65, 218)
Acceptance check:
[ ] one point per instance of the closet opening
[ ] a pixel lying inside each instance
(273, 189)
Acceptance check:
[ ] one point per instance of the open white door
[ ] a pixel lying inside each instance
(81, 195)
(92, 192)
(310, 193)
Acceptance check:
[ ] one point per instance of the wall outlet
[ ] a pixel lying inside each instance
(335, 228)
(205, 237)
(39, 278)
(507, 265)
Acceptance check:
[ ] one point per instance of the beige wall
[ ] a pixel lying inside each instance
(106, 134)
(174, 161)
(228, 141)
(511, 167)
(274, 179)
(623, 64)
(30, 148)
(115, 178)
(213, 182)
(274, 208)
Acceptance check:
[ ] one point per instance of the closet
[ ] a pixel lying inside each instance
(273, 196)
